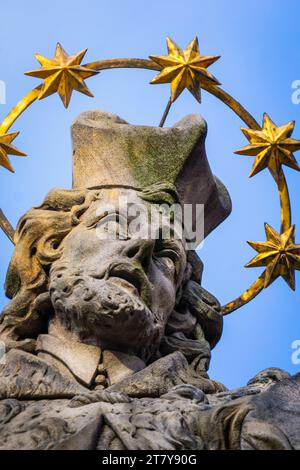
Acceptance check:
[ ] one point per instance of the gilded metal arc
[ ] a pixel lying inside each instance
(150, 65)
(16, 112)
(285, 203)
(222, 95)
(246, 296)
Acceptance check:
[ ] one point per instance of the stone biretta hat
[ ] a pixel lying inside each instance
(108, 151)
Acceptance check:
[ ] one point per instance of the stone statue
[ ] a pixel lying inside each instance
(108, 340)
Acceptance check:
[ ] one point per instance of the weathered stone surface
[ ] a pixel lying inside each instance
(109, 339)
(161, 376)
(82, 360)
(182, 419)
(122, 154)
(119, 365)
(25, 376)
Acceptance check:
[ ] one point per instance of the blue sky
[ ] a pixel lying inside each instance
(260, 48)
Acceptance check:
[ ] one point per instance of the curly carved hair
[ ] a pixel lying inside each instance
(194, 327)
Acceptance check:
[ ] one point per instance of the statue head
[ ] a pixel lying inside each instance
(82, 269)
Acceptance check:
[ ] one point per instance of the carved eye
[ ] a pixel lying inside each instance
(33, 251)
(167, 248)
(55, 244)
(168, 252)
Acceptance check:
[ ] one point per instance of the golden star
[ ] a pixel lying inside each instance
(7, 149)
(279, 254)
(272, 147)
(185, 69)
(63, 74)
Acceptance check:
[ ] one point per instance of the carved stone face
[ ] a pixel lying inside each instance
(116, 293)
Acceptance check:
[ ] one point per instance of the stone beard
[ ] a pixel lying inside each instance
(115, 294)
(108, 338)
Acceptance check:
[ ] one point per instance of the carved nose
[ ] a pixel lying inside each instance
(141, 251)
